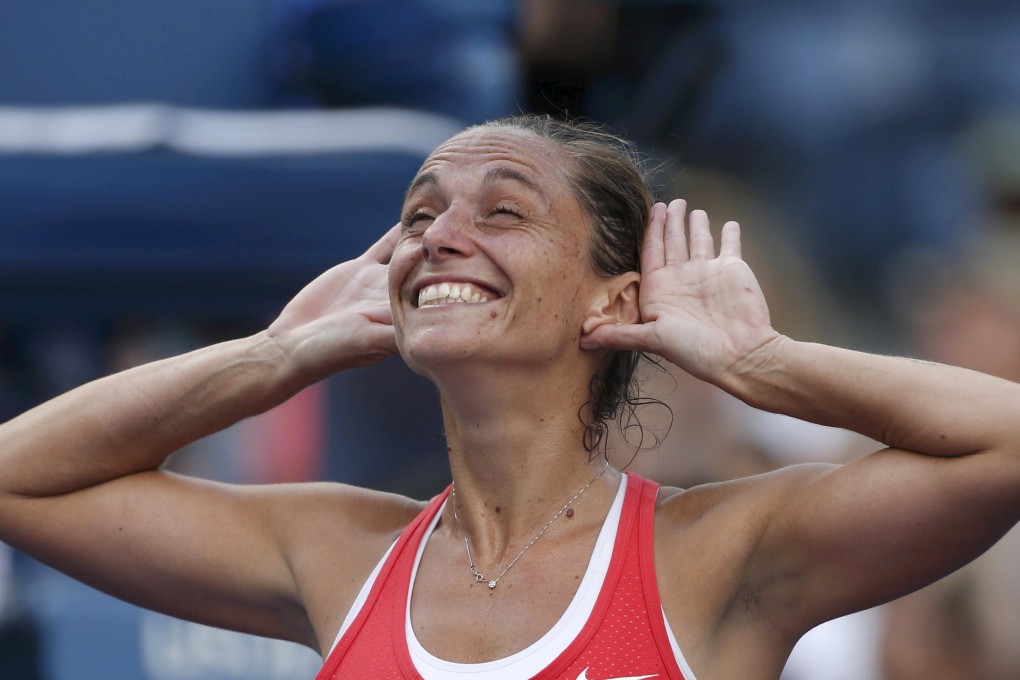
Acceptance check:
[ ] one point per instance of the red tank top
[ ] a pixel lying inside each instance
(624, 637)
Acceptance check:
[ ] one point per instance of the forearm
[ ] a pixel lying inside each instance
(132, 421)
(903, 403)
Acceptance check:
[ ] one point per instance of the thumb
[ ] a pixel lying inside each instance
(631, 337)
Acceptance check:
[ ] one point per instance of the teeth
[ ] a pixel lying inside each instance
(445, 293)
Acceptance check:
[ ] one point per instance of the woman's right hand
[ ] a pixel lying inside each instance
(341, 319)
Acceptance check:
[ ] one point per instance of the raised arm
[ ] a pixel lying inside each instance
(836, 538)
(80, 485)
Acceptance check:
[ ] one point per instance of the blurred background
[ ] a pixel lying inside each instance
(172, 173)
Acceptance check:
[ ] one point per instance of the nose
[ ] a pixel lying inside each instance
(448, 236)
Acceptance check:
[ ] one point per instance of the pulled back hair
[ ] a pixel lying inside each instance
(611, 182)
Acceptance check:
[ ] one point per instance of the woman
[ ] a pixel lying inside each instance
(513, 285)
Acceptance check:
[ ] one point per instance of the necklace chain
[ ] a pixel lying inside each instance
(479, 578)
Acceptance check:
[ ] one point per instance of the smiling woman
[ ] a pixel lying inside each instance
(534, 166)
(529, 269)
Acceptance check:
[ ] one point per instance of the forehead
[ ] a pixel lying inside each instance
(476, 153)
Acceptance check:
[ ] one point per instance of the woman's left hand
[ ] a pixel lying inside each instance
(703, 312)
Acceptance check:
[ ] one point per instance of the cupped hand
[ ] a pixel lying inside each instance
(341, 319)
(701, 311)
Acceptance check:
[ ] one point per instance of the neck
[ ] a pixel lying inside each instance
(492, 580)
(517, 455)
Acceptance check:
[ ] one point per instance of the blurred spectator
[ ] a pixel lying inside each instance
(565, 45)
(456, 57)
(966, 311)
(851, 110)
(845, 112)
(641, 65)
(933, 635)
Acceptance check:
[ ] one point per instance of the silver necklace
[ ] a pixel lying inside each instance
(492, 583)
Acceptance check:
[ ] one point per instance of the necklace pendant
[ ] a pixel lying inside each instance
(479, 578)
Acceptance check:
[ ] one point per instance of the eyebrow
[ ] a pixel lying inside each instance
(420, 181)
(505, 173)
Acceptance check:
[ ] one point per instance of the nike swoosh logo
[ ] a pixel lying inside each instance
(584, 676)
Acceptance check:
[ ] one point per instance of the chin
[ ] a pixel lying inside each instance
(431, 348)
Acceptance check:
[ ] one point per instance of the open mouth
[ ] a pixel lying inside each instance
(454, 293)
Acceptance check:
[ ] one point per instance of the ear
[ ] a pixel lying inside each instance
(616, 303)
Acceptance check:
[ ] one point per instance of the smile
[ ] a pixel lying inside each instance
(446, 293)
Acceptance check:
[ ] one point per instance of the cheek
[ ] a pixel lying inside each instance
(555, 304)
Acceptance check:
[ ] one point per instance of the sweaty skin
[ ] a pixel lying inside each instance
(744, 567)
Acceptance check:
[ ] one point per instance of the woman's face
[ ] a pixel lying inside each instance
(492, 262)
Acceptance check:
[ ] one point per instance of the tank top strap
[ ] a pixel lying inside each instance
(625, 633)
(646, 558)
(405, 546)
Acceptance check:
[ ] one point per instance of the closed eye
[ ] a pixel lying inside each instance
(505, 209)
(414, 218)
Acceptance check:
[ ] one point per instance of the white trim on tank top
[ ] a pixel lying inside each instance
(534, 658)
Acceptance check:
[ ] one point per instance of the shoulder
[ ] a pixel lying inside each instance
(719, 528)
(327, 510)
(326, 530)
(707, 540)
(332, 535)
(750, 501)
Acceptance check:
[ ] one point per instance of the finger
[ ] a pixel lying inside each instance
(380, 314)
(380, 341)
(652, 254)
(729, 241)
(701, 245)
(381, 250)
(674, 240)
(629, 337)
